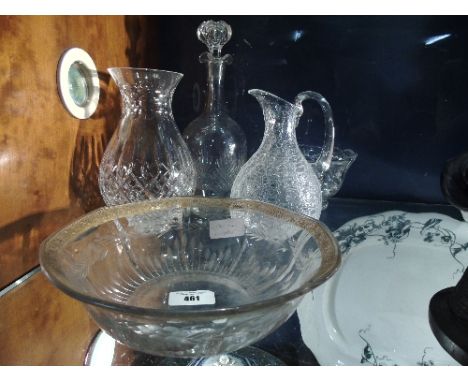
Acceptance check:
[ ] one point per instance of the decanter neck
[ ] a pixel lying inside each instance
(216, 66)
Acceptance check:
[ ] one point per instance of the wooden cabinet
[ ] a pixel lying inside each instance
(48, 159)
(48, 168)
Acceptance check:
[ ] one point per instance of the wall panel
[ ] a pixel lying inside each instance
(48, 159)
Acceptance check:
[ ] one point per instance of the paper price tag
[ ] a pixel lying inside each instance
(191, 297)
(220, 229)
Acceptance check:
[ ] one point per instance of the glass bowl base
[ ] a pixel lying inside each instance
(105, 351)
(248, 356)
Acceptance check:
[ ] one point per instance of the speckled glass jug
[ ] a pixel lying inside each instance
(278, 172)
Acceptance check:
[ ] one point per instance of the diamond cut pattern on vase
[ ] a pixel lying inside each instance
(123, 186)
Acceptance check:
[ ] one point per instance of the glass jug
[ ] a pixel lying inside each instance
(146, 157)
(278, 172)
(333, 178)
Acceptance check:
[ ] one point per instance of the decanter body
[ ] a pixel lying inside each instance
(216, 142)
(278, 172)
(146, 157)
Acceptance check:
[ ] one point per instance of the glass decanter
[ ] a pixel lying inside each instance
(146, 157)
(278, 172)
(216, 142)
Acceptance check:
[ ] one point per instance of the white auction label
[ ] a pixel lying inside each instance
(220, 229)
(192, 297)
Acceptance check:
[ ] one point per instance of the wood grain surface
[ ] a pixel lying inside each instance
(49, 165)
(48, 159)
(39, 325)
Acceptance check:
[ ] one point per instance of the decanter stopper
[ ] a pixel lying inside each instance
(214, 34)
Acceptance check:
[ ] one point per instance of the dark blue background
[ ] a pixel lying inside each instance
(398, 101)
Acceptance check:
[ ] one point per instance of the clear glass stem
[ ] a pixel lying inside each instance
(215, 98)
(215, 82)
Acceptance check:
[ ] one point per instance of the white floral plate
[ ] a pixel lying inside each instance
(374, 310)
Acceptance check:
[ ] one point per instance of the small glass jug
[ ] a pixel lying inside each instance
(333, 178)
(147, 157)
(278, 172)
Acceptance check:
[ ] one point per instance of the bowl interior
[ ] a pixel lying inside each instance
(189, 254)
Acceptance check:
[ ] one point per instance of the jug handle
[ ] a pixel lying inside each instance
(324, 160)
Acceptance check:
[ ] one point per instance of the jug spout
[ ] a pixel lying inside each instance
(275, 106)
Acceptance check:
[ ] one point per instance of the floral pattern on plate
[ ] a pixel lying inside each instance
(373, 311)
(393, 229)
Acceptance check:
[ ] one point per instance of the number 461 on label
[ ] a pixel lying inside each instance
(193, 297)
